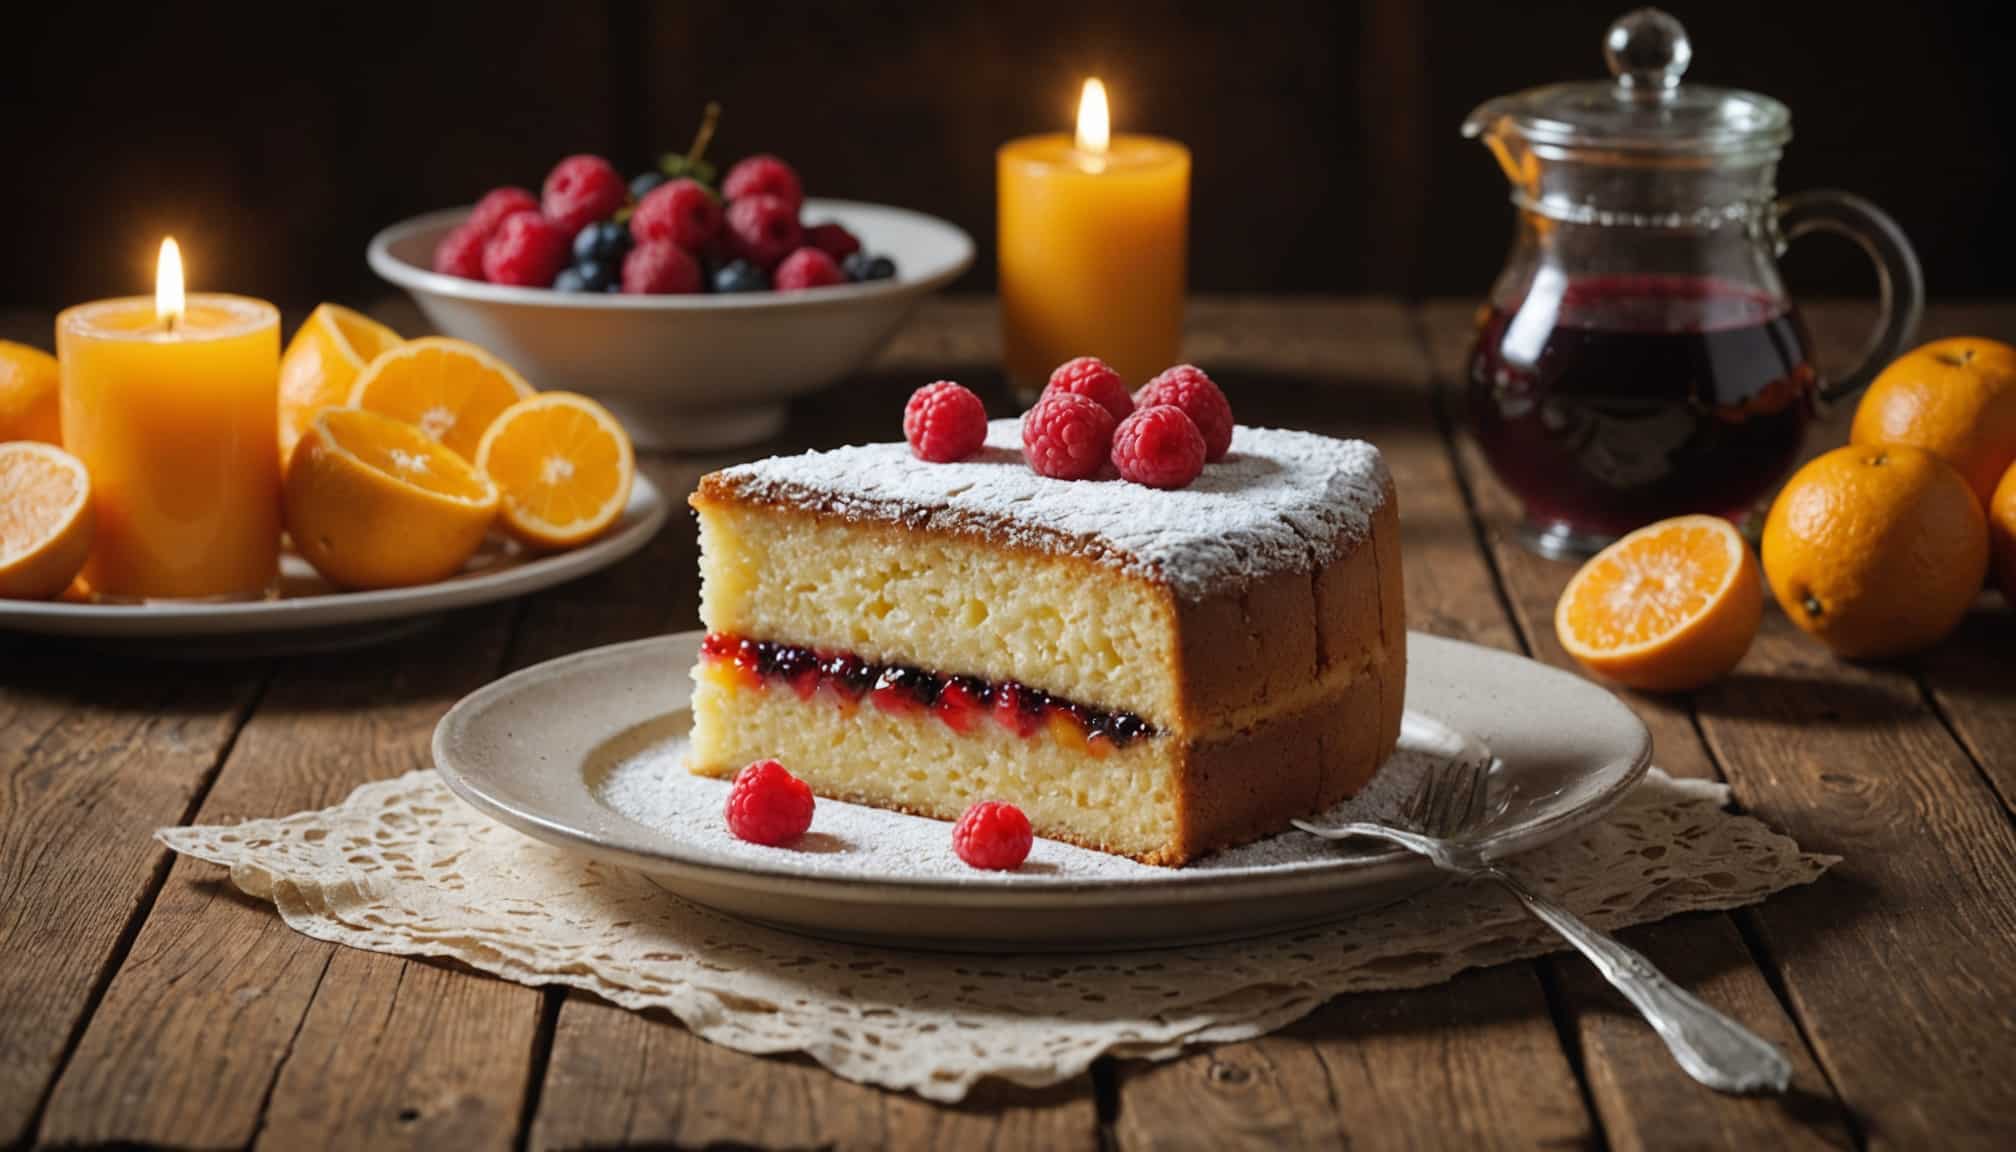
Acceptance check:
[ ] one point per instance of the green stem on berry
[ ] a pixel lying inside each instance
(705, 135)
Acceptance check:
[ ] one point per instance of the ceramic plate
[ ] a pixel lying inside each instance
(582, 752)
(306, 604)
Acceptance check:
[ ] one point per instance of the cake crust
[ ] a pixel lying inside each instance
(1279, 502)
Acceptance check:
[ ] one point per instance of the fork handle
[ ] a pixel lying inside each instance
(1714, 1049)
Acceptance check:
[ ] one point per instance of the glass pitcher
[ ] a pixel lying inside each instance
(1638, 357)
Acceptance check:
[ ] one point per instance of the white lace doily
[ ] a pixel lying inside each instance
(403, 867)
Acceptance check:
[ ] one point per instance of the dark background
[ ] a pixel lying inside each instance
(274, 139)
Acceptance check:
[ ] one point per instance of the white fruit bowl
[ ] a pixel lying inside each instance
(687, 372)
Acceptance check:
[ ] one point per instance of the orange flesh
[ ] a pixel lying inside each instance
(450, 390)
(560, 465)
(34, 497)
(1650, 588)
(403, 452)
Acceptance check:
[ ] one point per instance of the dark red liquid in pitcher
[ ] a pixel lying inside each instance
(1645, 397)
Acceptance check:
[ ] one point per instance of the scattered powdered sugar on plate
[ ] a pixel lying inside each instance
(650, 786)
(1280, 501)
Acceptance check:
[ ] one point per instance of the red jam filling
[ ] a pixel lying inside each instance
(961, 702)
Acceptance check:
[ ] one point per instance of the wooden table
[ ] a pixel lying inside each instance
(143, 1000)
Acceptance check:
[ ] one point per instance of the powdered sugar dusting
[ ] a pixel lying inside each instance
(849, 841)
(1280, 501)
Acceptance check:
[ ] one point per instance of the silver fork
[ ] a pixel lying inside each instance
(1437, 821)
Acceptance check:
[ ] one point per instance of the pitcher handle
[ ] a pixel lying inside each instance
(1900, 283)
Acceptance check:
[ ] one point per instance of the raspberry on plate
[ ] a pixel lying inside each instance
(763, 229)
(581, 190)
(807, 268)
(1066, 436)
(833, 240)
(527, 250)
(498, 203)
(460, 252)
(1090, 377)
(1158, 446)
(768, 806)
(682, 211)
(993, 836)
(1187, 387)
(764, 175)
(661, 268)
(944, 422)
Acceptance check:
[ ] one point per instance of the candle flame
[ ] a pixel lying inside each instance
(1094, 129)
(168, 299)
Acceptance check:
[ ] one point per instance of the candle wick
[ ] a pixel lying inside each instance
(168, 322)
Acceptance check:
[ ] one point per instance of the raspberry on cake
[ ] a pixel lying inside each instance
(1158, 446)
(1090, 377)
(1157, 674)
(1187, 387)
(1067, 436)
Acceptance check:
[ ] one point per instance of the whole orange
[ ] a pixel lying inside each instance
(1876, 550)
(2002, 533)
(28, 395)
(1955, 398)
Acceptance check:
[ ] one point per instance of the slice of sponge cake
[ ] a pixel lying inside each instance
(1153, 673)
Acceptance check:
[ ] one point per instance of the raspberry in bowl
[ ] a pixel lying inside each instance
(692, 353)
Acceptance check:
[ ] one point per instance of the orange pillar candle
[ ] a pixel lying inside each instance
(172, 406)
(1093, 236)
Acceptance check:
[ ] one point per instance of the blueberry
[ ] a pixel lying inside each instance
(740, 276)
(596, 275)
(571, 280)
(604, 240)
(861, 267)
(644, 183)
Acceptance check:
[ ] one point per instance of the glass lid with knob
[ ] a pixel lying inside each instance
(1644, 111)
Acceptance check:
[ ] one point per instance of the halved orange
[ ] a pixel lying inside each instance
(564, 465)
(322, 363)
(373, 502)
(45, 519)
(450, 389)
(1667, 608)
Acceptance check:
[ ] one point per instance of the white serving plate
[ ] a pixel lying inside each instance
(307, 605)
(539, 748)
(687, 372)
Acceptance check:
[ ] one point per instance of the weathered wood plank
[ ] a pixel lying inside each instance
(216, 996)
(90, 765)
(1972, 679)
(1466, 1065)
(404, 1054)
(617, 1078)
(1901, 961)
(1789, 674)
(1479, 1060)
(1622, 1061)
